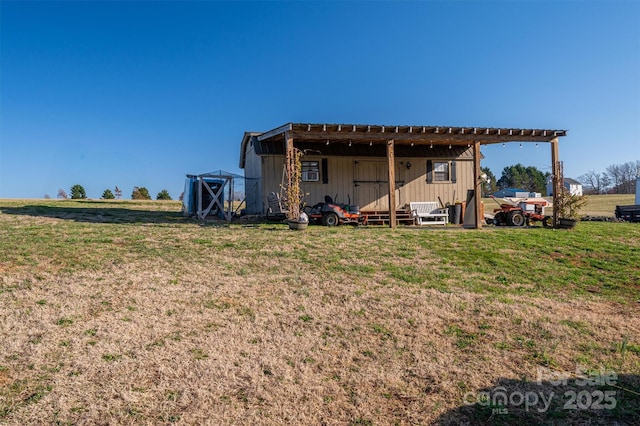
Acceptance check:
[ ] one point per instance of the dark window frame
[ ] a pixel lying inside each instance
(432, 172)
(311, 171)
(441, 171)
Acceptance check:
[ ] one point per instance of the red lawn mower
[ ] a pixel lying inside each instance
(334, 214)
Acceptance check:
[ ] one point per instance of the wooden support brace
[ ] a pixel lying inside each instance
(555, 178)
(289, 157)
(477, 184)
(392, 183)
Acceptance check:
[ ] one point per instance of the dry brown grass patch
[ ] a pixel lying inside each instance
(140, 348)
(203, 325)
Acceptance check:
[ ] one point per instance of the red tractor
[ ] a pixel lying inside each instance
(523, 213)
(333, 214)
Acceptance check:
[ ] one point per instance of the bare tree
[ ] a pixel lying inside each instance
(62, 194)
(623, 176)
(605, 180)
(595, 183)
(591, 182)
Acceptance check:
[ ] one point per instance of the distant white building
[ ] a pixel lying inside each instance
(573, 186)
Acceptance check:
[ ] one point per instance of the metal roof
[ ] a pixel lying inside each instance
(572, 181)
(407, 133)
(371, 136)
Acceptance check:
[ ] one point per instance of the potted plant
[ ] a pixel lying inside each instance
(569, 206)
(296, 218)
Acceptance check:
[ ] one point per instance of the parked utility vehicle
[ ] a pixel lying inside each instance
(334, 214)
(522, 213)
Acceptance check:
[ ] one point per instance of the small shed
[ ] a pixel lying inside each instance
(212, 194)
(573, 186)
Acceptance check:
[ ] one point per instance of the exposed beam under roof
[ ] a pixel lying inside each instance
(357, 133)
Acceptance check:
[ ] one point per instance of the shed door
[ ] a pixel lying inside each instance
(371, 184)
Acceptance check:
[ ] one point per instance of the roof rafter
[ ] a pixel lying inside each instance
(425, 134)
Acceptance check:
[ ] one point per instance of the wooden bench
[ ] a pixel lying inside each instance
(429, 213)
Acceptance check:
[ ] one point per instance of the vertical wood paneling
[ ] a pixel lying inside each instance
(416, 187)
(253, 184)
(340, 181)
(411, 183)
(272, 169)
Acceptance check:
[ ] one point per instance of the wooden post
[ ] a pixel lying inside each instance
(555, 178)
(230, 209)
(200, 183)
(392, 183)
(477, 184)
(288, 156)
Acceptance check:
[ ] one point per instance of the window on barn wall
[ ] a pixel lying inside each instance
(441, 171)
(310, 171)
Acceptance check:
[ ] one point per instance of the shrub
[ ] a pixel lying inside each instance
(569, 205)
(141, 193)
(163, 195)
(108, 195)
(78, 192)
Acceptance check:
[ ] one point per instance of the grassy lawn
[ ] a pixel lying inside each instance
(605, 205)
(125, 312)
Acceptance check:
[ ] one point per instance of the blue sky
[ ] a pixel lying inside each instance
(142, 93)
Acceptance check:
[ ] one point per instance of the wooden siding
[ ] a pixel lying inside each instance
(272, 174)
(364, 181)
(255, 197)
(416, 187)
(339, 183)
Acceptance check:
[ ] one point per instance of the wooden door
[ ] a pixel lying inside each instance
(371, 184)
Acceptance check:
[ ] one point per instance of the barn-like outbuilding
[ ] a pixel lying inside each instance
(381, 168)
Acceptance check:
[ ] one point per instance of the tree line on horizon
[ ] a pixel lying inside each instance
(617, 179)
(77, 192)
(517, 176)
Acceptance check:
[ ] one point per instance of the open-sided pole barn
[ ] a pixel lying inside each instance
(455, 150)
